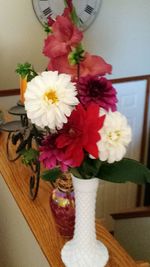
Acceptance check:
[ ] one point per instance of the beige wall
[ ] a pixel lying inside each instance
(120, 34)
(18, 246)
(21, 40)
(134, 235)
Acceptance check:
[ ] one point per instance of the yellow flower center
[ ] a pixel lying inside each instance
(51, 95)
(114, 136)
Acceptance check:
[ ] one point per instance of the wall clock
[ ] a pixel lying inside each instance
(86, 10)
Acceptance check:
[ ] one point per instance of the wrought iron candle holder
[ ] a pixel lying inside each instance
(22, 134)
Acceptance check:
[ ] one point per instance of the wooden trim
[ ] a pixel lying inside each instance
(9, 92)
(16, 91)
(134, 213)
(130, 79)
(145, 122)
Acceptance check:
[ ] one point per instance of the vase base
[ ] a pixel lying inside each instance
(73, 255)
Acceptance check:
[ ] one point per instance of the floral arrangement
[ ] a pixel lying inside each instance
(76, 106)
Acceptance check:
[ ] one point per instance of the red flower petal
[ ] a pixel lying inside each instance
(81, 133)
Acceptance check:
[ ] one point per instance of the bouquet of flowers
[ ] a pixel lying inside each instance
(76, 105)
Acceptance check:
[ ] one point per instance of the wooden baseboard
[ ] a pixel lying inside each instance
(9, 92)
(132, 213)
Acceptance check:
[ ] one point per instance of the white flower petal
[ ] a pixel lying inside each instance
(115, 136)
(49, 99)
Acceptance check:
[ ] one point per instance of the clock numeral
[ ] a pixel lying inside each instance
(47, 11)
(89, 9)
(81, 21)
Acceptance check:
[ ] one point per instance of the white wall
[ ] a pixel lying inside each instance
(120, 34)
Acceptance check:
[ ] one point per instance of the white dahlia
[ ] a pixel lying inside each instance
(49, 99)
(115, 136)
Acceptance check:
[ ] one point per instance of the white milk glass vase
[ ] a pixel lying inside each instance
(84, 250)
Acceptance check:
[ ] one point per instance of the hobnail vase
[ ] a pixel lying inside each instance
(84, 250)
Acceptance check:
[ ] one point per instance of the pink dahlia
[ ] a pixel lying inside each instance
(98, 90)
(65, 35)
(51, 156)
(81, 133)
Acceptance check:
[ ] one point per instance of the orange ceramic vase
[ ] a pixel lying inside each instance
(23, 86)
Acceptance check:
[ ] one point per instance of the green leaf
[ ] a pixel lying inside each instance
(47, 28)
(26, 70)
(76, 55)
(88, 169)
(126, 170)
(51, 175)
(29, 156)
(75, 172)
(75, 17)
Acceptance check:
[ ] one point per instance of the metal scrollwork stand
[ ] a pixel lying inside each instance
(23, 134)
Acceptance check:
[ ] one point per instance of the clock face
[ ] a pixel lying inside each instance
(86, 10)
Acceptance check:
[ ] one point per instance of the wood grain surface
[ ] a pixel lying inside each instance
(39, 218)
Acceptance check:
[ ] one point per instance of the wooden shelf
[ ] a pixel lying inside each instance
(39, 218)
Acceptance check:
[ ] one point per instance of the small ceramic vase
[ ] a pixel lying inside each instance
(23, 86)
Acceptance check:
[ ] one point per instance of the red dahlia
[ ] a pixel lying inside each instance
(81, 134)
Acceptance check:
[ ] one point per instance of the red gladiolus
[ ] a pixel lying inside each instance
(90, 65)
(61, 64)
(65, 36)
(50, 21)
(70, 5)
(94, 65)
(81, 134)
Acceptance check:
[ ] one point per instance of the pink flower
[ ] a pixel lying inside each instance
(94, 65)
(90, 65)
(98, 90)
(81, 133)
(51, 156)
(65, 36)
(61, 64)
(70, 5)
(50, 21)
